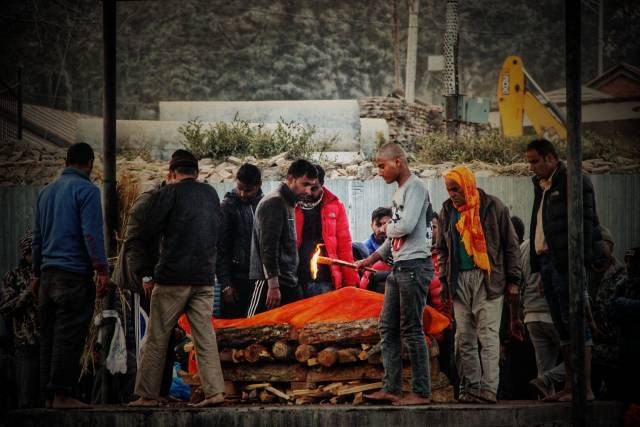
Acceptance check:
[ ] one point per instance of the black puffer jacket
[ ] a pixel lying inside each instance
(234, 246)
(186, 216)
(555, 224)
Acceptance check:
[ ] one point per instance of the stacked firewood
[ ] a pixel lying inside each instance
(333, 362)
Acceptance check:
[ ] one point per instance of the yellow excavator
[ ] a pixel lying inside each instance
(515, 97)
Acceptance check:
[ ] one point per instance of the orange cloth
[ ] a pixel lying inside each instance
(469, 225)
(343, 305)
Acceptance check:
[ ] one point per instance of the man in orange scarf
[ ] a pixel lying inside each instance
(479, 259)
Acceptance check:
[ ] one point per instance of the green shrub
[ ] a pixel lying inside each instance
(239, 138)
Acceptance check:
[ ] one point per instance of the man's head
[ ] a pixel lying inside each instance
(461, 184)
(182, 165)
(379, 219)
(434, 228)
(542, 158)
(316, 190)
(604, 249)
(80, 156)
(301, 176)
(391, 161)
(248, 181)
(518, 225)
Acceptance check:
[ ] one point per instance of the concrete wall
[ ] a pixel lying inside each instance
(617, 202)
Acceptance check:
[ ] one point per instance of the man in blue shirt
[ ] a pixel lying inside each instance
(68, 246)
(379, 219)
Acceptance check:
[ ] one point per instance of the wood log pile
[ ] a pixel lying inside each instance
(335, 362)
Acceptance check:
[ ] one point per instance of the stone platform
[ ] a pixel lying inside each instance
(508, 414)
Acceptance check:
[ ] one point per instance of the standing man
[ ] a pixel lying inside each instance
(67, 247)
(274, 255)
(405, 293)
(322, 219)
(549, 248)
(238, 211)
(18, 307)
(186, 215)
(479, 259)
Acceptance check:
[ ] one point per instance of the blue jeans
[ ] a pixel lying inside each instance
(556, 292)
(405, 297)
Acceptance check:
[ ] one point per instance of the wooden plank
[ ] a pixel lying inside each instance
(267, 372)
(355, 332)
(358, 389)
(332, 386)
(242, 337)
(250, 387)
(278, 393)
(346, 373)
(358, 399)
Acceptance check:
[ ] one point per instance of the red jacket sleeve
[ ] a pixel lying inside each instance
(345, 251)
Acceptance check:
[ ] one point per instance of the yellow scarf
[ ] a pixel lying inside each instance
(469, 225)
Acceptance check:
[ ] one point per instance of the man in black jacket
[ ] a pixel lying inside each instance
(186, 216)
(549, 246)
(234, 247)
(274, 254)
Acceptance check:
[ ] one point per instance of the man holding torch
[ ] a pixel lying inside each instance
(405, 294)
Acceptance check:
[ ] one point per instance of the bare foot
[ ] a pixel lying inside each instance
(569, 397)
(412, 399)
(559, 395)
(143, 401)
(64, 402)
(382, 396)
(215, 400)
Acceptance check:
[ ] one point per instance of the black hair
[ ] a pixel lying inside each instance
(543, 147)
(380, 213)
(320, 173)
(518, 225)
(79, 153)
(249, 174)
(302, 167)
(186, 170)
(434, 216)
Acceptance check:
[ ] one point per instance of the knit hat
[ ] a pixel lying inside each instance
(182, 158)
(606, 235)
(25, 243)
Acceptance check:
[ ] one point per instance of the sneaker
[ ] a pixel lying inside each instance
(541, 388)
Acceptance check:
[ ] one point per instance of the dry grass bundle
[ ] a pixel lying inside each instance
(128, 192)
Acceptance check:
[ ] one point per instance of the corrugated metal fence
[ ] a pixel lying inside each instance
(618, 199)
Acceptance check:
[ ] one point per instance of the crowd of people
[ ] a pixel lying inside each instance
(507, 297)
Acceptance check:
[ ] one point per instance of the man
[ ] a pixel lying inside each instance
(274, 256)
(549, 251)
(405, 293)
(186, 216)
(607, 274)
(18, 307)
(379, 218)
(238, 211)
(322, 219)
(67, 248)
(537, 320)
(479, 261)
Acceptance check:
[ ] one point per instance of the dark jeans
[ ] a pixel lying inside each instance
(66, 308)
(28, 376)
(313, 289)
(405, 297)
(244, 289)
(556, 292)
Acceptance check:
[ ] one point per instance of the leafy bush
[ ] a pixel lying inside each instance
(239, 138)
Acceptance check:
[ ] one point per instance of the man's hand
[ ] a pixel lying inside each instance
(229, 296)
(368, 261)
(148, 288)
(516, 330)
(513, 292)
(104, 283)
(273, 298)
(35, 287)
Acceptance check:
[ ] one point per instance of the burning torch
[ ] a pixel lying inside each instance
(319, 259)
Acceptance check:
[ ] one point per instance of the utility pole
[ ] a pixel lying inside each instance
(109, 189)
(396, 44)
(572, 13)
(451, 88)
(412, 52)
(600, 36)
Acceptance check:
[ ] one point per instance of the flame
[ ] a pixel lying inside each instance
(313, 264)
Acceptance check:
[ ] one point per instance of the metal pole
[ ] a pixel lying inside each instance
(575, 208)
(19, 102)
(109, 193)
(451, 68)
(412, 52)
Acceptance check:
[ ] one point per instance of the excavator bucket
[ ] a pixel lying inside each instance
(510, 94)
(545, 123)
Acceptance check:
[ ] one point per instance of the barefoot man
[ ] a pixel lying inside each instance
(406, 289)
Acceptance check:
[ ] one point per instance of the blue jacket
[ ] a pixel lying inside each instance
(371, 244)
(67, 232)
